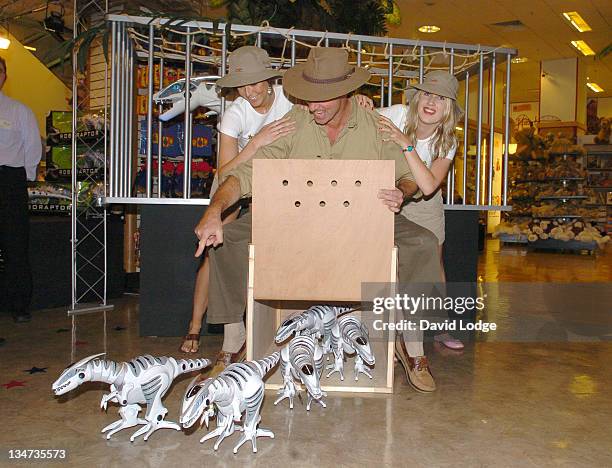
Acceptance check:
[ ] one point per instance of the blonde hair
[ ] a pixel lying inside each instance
(443, 138)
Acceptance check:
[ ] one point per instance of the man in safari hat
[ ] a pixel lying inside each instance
(333, 126)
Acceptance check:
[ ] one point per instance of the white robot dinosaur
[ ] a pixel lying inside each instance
(302, 360)
(322, 322)
(238, 389)
(355, 339)
(203, 94)
(145, 379)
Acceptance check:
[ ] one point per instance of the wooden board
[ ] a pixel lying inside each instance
(319, 228)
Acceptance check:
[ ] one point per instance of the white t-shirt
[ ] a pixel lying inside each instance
(426, 212)
(398, 114)
(242, 122)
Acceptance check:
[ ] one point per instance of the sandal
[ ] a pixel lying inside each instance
(191, 337)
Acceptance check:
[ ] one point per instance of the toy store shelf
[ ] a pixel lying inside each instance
(548, 180)
(563, 197)
(566, 153)
(599, 188)
(566, 216)
(555, 244)
(599, 169)
(513, 238)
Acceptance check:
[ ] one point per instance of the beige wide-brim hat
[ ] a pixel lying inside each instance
(248, 65)
(325, 75)
(441, 83)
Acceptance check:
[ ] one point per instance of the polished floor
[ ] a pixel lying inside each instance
(539, 402)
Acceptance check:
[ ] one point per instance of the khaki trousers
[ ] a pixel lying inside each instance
(419, 262)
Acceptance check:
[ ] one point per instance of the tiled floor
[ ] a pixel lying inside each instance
(540, 402)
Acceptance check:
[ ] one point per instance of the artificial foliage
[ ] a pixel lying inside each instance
(360, 17)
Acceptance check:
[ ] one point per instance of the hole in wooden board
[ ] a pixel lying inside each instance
(358, 183)
(322, 203)
(309, 183)
(346, 203)
(297, 204)
(334, 183)
(285, 182)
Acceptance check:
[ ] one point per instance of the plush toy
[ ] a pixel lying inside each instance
(530, 144)
(603, 136)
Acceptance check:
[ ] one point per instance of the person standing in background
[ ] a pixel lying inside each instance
(20, 153)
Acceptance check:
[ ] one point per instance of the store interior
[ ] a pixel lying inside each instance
(529, 219)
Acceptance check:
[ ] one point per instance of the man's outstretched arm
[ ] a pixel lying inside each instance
(210, 228)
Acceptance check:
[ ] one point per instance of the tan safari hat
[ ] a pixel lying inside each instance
(247, 65)
(325, 75)
(441, 83)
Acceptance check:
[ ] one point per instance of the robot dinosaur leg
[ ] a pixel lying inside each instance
(223, 424)
(361, 367)
(228, 427)
(155, 419)
(251, 420)
(288, 391)
(338, 365)
(129, 418)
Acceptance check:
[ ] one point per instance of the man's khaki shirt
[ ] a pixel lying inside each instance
(360, 139)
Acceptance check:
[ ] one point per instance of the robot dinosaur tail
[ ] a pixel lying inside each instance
(264, 365)
(188, 365)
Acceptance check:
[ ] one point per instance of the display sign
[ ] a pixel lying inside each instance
(90, 163)
(173, 140)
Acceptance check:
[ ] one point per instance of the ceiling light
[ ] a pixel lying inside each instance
(595, 87)
(577, 21)
(27, 47)
(429, 29)
(4, 43)
(519, 59)
(583, 47)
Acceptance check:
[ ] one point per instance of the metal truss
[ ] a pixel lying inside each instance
(89, 218)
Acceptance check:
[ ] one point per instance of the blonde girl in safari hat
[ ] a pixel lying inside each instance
(425, 130)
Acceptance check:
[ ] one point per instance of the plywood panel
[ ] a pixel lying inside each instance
(319, 228)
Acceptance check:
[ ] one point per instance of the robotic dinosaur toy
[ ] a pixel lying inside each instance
(355, 339)
(322, 322)
(239, 388)
(145, 379)
(302, 359)
(203, 94)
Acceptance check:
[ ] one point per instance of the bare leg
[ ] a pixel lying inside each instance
(200, 297)
(446, 338)
(200, 304)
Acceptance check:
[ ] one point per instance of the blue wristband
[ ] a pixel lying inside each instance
(408, 148)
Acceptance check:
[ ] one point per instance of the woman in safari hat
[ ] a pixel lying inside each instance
(425, 130)
(253, 120)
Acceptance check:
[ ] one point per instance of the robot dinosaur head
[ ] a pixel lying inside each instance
(301, 356)
(295, 324)
(356, 335)
(198, 401)
(74, 375)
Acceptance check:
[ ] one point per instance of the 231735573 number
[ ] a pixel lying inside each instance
(34, 454)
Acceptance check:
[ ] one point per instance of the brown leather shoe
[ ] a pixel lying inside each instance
(417, 368)
(224, 359)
